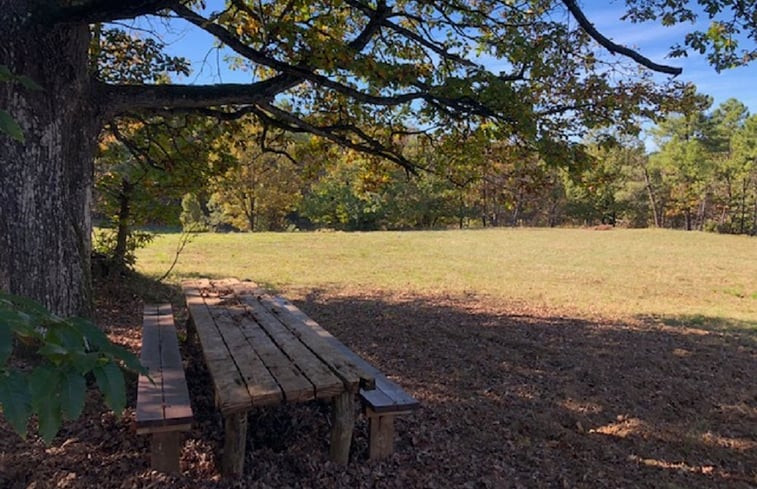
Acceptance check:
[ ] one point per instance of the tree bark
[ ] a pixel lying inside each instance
(124, 212)
(650, 194)
(45, 182)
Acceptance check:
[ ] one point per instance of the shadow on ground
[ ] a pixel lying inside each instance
(709, 323)
(548, 402)
(508, 400)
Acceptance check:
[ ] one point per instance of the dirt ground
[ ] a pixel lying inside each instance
(511, 398)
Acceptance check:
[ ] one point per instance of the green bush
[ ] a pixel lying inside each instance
(105, 243)
(51, 383)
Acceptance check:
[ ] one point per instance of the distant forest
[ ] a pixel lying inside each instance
(702, 176)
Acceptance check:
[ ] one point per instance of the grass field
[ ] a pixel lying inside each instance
(679, 276)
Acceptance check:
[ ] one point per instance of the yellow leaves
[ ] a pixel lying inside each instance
(248, 27)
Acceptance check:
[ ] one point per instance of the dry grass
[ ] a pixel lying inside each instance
(678, 277)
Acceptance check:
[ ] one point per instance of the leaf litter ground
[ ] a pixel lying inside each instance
(511, 398)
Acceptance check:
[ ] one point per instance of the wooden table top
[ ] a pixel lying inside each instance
(261, 353)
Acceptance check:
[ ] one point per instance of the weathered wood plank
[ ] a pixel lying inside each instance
(326, 384)
(247, 288)
(231, 389)
(293, 384)
(319, 341)
(176, 404)
(224, 286)
(387, 395)
(261, 384)
(376, 397)
(150, 392)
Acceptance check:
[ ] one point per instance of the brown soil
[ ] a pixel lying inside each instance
(510, 398)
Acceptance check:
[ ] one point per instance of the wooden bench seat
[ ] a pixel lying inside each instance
(381, 404)
(163, 407)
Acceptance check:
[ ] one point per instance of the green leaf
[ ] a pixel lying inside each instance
(73, 391)
(110, 380)
(15, 401)
(49, 417)
(28, 83)
(10, 127)
(66, 335)
(37, 312)
(84, 362)
(94, 337)
(6, 343)
(44, 383)
(130, 361)
(44, 387)
(5, 74)
(53, 352)
(16, 321)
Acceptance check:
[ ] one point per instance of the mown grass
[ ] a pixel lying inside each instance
(671, 275)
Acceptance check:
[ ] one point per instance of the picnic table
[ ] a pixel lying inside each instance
(260, 354)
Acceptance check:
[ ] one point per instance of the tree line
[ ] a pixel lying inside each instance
(702, 175)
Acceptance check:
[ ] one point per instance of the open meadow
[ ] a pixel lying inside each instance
(678, 276)
(552, 358)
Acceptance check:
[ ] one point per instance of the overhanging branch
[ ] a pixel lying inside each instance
(94, 11)
(282, 119)
(613, 47)
(120, 98)
(301, 71)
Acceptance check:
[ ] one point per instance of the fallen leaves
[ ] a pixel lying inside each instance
(509, 399)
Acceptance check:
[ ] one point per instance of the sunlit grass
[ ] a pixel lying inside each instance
(618, 273)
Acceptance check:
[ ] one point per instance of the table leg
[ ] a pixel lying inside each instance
(191, 330)
(235, 439)
(165, 449)
(381, 435)
(343, 424)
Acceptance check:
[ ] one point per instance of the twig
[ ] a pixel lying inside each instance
(186, 238)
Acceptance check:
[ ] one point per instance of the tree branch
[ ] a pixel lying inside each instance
(300, 71)
(138, 153)
(613, 47)
(94, 11)
(441, 51)
(117, 99)
(282, 119)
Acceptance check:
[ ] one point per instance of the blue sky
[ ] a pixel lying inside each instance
(652, 40)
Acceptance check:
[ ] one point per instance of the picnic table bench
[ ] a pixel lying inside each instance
(261, 350)
(163, 407)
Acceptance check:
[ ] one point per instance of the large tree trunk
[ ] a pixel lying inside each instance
(45, 183)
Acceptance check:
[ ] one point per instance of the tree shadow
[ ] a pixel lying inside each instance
(709, 323)
(508, 400)
(517, 400)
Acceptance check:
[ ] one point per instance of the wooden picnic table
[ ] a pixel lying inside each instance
(260, 354)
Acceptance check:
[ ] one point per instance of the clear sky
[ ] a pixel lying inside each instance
(652, 40)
